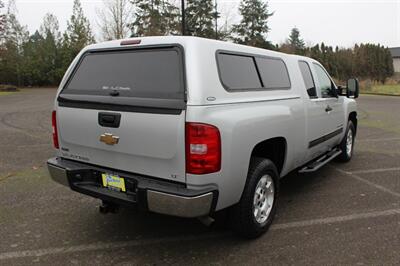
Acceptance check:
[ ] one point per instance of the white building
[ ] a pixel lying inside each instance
(396, 58)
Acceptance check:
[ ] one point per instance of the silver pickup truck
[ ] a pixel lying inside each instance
(189, 127)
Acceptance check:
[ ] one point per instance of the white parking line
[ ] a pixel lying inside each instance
(377, 140)
(337, 219)
(166, 240)
(376, 170)
(104, 246)
(382, 188)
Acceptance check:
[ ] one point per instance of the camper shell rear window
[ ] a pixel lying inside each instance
(146, 77)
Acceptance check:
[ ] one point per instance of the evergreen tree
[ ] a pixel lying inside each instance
(49, 50)
(41, 62)
(155, 18)
(14, 37)
(295, 41)
(389, 63)
(78, 33)
(200, 17)
(253, 28)
(172, 18)
(365, 61)
(33, 65)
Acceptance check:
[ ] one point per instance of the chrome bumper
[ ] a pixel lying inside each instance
(178, 205)
(187, 203)
(58, 174)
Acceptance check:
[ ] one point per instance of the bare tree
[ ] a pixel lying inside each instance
(115, 18)
(2, 19)
(50, 27)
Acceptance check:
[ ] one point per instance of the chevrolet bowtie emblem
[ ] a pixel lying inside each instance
(109, 139)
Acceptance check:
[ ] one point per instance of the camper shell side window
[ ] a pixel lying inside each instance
(248, 72)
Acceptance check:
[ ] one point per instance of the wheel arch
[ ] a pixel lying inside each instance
(353, 118)
(274, 149)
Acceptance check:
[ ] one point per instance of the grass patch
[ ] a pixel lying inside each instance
(383, 89)
(4, 93)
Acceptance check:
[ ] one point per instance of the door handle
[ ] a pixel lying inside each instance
(109, 119)
(328, 109)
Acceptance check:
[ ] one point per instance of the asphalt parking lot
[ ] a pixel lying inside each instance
(343, 214)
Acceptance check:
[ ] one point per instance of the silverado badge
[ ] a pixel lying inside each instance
(109, 139)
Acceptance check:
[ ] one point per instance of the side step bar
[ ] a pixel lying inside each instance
(321, 161)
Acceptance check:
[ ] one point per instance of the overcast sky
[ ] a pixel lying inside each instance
(335, 22)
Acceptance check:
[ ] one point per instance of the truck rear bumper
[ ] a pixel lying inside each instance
(143, 192)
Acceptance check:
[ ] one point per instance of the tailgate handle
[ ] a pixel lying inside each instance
(109, 119)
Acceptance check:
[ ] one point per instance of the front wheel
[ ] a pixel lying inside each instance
(253, 215)
(347, 144)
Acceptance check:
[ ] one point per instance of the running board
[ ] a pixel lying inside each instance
(321, 161)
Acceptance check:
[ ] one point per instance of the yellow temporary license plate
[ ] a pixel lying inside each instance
(113, 182)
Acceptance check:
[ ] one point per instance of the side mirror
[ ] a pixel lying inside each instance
(353, 88)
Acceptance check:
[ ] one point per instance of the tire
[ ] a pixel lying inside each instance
(243, 215)
(347, 150)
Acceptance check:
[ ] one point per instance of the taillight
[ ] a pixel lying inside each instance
(203, 149)
(55, 132)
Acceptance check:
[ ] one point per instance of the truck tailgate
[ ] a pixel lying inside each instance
(149, 144)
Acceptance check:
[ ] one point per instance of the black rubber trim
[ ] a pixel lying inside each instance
(69, 164)
(324, 138)
(164, 106)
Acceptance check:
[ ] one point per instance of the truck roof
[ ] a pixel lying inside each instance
(203, 80)
(187, 41)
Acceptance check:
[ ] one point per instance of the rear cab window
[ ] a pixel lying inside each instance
(308, 79)
(151, 77)
(240, 72)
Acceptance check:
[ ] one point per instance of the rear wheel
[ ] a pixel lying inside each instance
(347, 144)
(253, 215)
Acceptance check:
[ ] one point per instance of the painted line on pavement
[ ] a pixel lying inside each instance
(377, 140)
(336, 219)
(393, 169)
(382, 188)
(104, 246)
(166, 240)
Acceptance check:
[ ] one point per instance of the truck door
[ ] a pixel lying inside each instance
(317, 125)
(332, 108)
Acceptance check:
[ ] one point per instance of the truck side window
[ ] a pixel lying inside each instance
(238, 72)
(325, 83)
(308, 79)
(273, 72)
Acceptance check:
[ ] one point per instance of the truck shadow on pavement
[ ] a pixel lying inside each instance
(130, 223)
